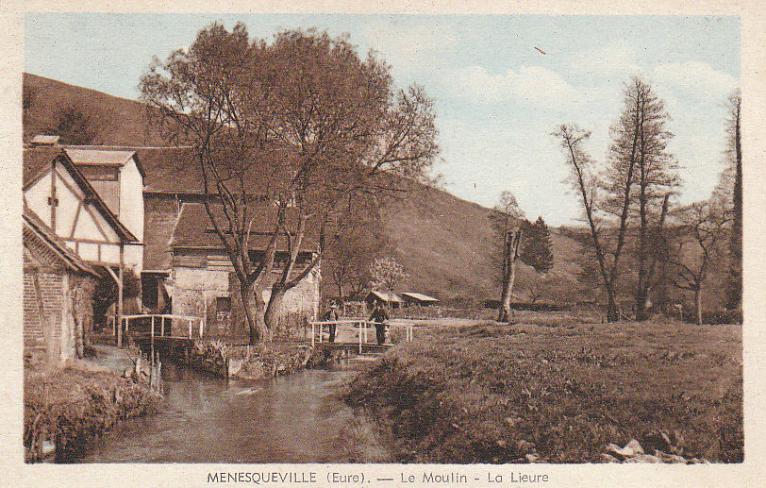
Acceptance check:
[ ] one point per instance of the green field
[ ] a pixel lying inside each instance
(561, 393)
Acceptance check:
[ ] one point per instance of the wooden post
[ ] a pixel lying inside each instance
(119, 306)
(151, 339)
(162, 325)
(201, 327)
(190, 328)
(360, 338)
(312, 335)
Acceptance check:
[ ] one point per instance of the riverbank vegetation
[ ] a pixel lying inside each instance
(64, 409)
(559, 393)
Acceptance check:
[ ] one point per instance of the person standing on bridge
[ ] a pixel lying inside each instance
(379, 317)
(331, 316)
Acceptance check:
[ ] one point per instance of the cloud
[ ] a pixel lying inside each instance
(613, 62)
(534, 85)
(694, 78)
(406, 46)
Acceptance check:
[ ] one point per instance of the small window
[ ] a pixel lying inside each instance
(223, 305)
(99, 173)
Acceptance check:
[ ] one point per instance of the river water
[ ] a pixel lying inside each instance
(292, 419)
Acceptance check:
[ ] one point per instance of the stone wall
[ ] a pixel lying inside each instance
(195, 292)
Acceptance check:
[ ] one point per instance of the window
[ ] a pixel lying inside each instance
(99, 173)
(222, 308)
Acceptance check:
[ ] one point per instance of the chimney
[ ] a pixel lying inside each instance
(43, 140)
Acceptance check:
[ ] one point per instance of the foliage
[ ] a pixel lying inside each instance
(385, 274)
(537, 247)
(493, 394)
(637, 182)
(73, 406)
(704, 225)
(354, 252)
(319, 128)
(74, 126)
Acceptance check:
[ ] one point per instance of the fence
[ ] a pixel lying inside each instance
(163, 320)
(363, 330)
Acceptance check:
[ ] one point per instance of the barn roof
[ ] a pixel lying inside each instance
(419, 297)
(35, 229)
(194, 230)
(37, 161)
(385, 296)
(175, 170)
(87, 156)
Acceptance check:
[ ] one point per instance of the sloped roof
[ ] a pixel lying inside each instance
(45, 139)
(37, 161)
(195, 230)
(99, 156)
(385, 296)
(34, 228)
(419, 297)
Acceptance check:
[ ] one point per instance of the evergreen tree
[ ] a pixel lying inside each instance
(537, 250)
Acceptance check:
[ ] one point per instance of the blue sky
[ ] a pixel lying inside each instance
(497, 98)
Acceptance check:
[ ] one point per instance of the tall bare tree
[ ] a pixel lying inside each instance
(637, 181)
(703, 228)
(294, 133)
(734, 155)
(586, 184)
(641, 141)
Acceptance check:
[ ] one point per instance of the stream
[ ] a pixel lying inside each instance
(292, 419)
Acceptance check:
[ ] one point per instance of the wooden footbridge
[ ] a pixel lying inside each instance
(177, 333)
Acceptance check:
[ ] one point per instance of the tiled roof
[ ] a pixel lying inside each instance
(195, 230)
(34, 228)
(37, 160)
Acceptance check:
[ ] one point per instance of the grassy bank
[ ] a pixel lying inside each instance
(69, 407)
(496, 394)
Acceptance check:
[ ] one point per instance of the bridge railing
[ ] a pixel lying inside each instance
(362, 324)
(193, 324)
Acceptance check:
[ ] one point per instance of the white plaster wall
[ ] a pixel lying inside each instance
(36, 197)
(134, 256)
(132, 199)
(110, 253)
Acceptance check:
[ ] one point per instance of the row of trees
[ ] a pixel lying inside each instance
(635, 227)
(299, 122)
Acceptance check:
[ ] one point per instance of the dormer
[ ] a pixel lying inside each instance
(118, 178)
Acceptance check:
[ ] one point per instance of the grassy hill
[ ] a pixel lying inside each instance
(116, 121)
(444, 243)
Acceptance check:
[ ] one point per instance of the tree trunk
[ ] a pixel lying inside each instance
(612, 311)
(255, 328)
(510, 253)
(271, 317)
(642, 296)
(735, 271)
(698, 304)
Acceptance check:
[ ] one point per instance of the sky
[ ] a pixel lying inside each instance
(497, 98)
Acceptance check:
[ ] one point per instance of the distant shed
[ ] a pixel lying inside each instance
(388, 298)
(413, 298)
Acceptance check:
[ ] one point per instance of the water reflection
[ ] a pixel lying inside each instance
(293, 419)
